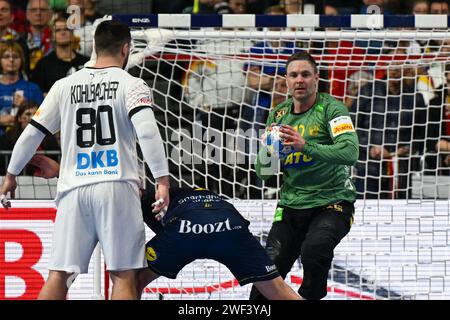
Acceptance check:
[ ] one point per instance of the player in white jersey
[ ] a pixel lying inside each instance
(99, 112)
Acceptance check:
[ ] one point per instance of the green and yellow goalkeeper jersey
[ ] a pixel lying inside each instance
(320, 174)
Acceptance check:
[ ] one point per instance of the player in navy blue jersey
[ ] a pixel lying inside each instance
(199, 224)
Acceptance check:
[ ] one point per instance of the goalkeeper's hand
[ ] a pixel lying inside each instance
(292, 138)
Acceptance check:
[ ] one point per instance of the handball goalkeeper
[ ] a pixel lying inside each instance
(316, 208)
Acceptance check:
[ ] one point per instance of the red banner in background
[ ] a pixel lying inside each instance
(22, 263)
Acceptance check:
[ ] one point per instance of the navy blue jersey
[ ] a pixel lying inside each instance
(187, 199)
(201, 225)
(182, 200)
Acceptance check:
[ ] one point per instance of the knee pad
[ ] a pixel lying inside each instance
(317, 252)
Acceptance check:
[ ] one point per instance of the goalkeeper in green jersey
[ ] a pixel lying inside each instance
(316, 208)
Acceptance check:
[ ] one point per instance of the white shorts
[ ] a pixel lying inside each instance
(107, 212)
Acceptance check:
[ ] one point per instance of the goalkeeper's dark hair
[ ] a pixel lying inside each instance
(110, 36)
(302, 56)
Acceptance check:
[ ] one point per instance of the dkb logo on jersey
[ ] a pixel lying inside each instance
(100, 159)
(186, 226)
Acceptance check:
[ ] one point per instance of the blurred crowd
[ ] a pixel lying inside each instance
(400, 108)
(401, 111)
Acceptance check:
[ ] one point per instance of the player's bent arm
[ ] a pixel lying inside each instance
(344, 151)
(150, 141)
(25, 147)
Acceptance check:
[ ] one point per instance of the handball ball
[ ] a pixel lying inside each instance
(275, 144)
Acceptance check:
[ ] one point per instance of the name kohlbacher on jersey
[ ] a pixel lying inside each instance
(85, 93)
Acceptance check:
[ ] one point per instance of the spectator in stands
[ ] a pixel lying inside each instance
(443, 147)
(439, 7)
(89, 8)
(38, 33)
(7, 33)
(354, 83)
(385, 114)
(23, 117)
(330, 10)
(435, 121)
(292, 6)
(438, 133)
(418, 46)
(60, 62)
(420, 7)
(90, 11)
(238, 6)
(83, 28)
(12, 81)
(259, 6)
(21, 120)
(6, 19)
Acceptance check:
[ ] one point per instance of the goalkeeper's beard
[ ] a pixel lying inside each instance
(305, 97)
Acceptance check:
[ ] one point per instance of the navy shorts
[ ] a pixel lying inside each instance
(220, 235)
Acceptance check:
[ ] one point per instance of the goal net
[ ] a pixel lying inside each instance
(214, 80)
(213, 89)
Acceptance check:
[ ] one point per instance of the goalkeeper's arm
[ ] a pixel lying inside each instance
(344, 150)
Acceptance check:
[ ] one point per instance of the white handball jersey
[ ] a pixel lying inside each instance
(93, 109)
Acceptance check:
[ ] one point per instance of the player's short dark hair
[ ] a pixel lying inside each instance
(110, 36)
(302, 56)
